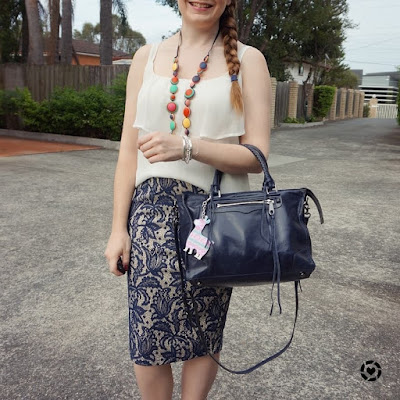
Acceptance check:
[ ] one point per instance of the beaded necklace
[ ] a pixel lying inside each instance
(189, 94)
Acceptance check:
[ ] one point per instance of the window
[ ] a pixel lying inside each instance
(301, 70)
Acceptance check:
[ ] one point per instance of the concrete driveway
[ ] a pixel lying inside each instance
(64, 331)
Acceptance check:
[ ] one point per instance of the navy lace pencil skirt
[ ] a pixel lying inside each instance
(159, 331)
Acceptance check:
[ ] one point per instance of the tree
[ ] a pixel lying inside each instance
(328, 22)
(53, 42)
(89, 32)
(292, 30)
(66, 38)
(106, 32)
(13, 30)
(106, 27)
(124, 38)
(35, 55)
(340, 76)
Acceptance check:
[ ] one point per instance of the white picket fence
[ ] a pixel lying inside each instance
(387, 111)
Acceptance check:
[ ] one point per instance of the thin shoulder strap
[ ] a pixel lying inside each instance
(241, 51)
(152, 56)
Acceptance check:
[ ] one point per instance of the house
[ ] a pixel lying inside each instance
(299, 71)
(88, 53)
(384, 85)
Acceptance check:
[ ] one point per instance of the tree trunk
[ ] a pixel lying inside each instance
(246, 26)
(240, 16)
(66, 43)
(35, 55)
(54, 10)
(25, 37)
(106, 32)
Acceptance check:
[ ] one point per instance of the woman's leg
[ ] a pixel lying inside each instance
(155, 382)
(198, 375)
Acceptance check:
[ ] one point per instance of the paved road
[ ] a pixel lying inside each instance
(64, 317)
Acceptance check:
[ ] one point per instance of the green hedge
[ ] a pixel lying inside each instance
(366, 110)
(323, 99)
(95, 112)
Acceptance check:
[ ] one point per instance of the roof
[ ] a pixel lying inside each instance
(86, 47)
(393, 74)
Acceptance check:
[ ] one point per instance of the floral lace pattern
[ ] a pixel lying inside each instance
(159, 330)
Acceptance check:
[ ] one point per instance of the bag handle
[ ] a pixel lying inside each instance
(268, 184)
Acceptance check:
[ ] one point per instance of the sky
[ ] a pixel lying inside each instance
(373, 46)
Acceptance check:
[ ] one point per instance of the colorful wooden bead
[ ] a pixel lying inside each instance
(172, 125)
(187, 103)
(174, 80)
(172, 97)
(186, 123)
(175, 66)
(196, 79)
(187, 132)
(175, 73)
(173, 88)
(172, 116)
(189, 93)
(186, 112)
(203, 65)
(171, 107)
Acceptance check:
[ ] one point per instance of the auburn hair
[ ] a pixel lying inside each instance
(229, 35)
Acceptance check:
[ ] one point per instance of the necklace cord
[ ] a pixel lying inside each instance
(209, 51)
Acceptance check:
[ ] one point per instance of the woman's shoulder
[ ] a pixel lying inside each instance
(251, 58)
(249, 52)
(142, 54)
(167, 44)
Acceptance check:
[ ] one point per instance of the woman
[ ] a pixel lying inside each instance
(177, 130)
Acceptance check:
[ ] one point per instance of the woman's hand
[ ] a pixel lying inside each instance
(159, 146)
(119, 244)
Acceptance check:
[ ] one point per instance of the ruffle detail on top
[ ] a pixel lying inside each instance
(212, 94)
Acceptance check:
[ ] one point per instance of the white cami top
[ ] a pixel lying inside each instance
(212, 119)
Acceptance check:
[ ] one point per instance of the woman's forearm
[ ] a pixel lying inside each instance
(228, 158)
(124, 186)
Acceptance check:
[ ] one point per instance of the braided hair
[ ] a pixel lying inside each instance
(229, 34)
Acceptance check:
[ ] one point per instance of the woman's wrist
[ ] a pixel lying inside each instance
(119, 229)
(195, 148)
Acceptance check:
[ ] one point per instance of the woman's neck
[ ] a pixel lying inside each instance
(192, 36)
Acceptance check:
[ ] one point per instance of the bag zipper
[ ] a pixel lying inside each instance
(241, 203)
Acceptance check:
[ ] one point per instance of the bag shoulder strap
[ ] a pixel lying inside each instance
(195, 320)
(203, 340)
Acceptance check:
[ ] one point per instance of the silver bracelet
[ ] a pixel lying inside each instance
(187, 149)
(184, 146)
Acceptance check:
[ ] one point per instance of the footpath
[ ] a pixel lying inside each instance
(64, 329)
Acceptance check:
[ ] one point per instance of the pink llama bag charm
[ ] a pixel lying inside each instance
(196, 240)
